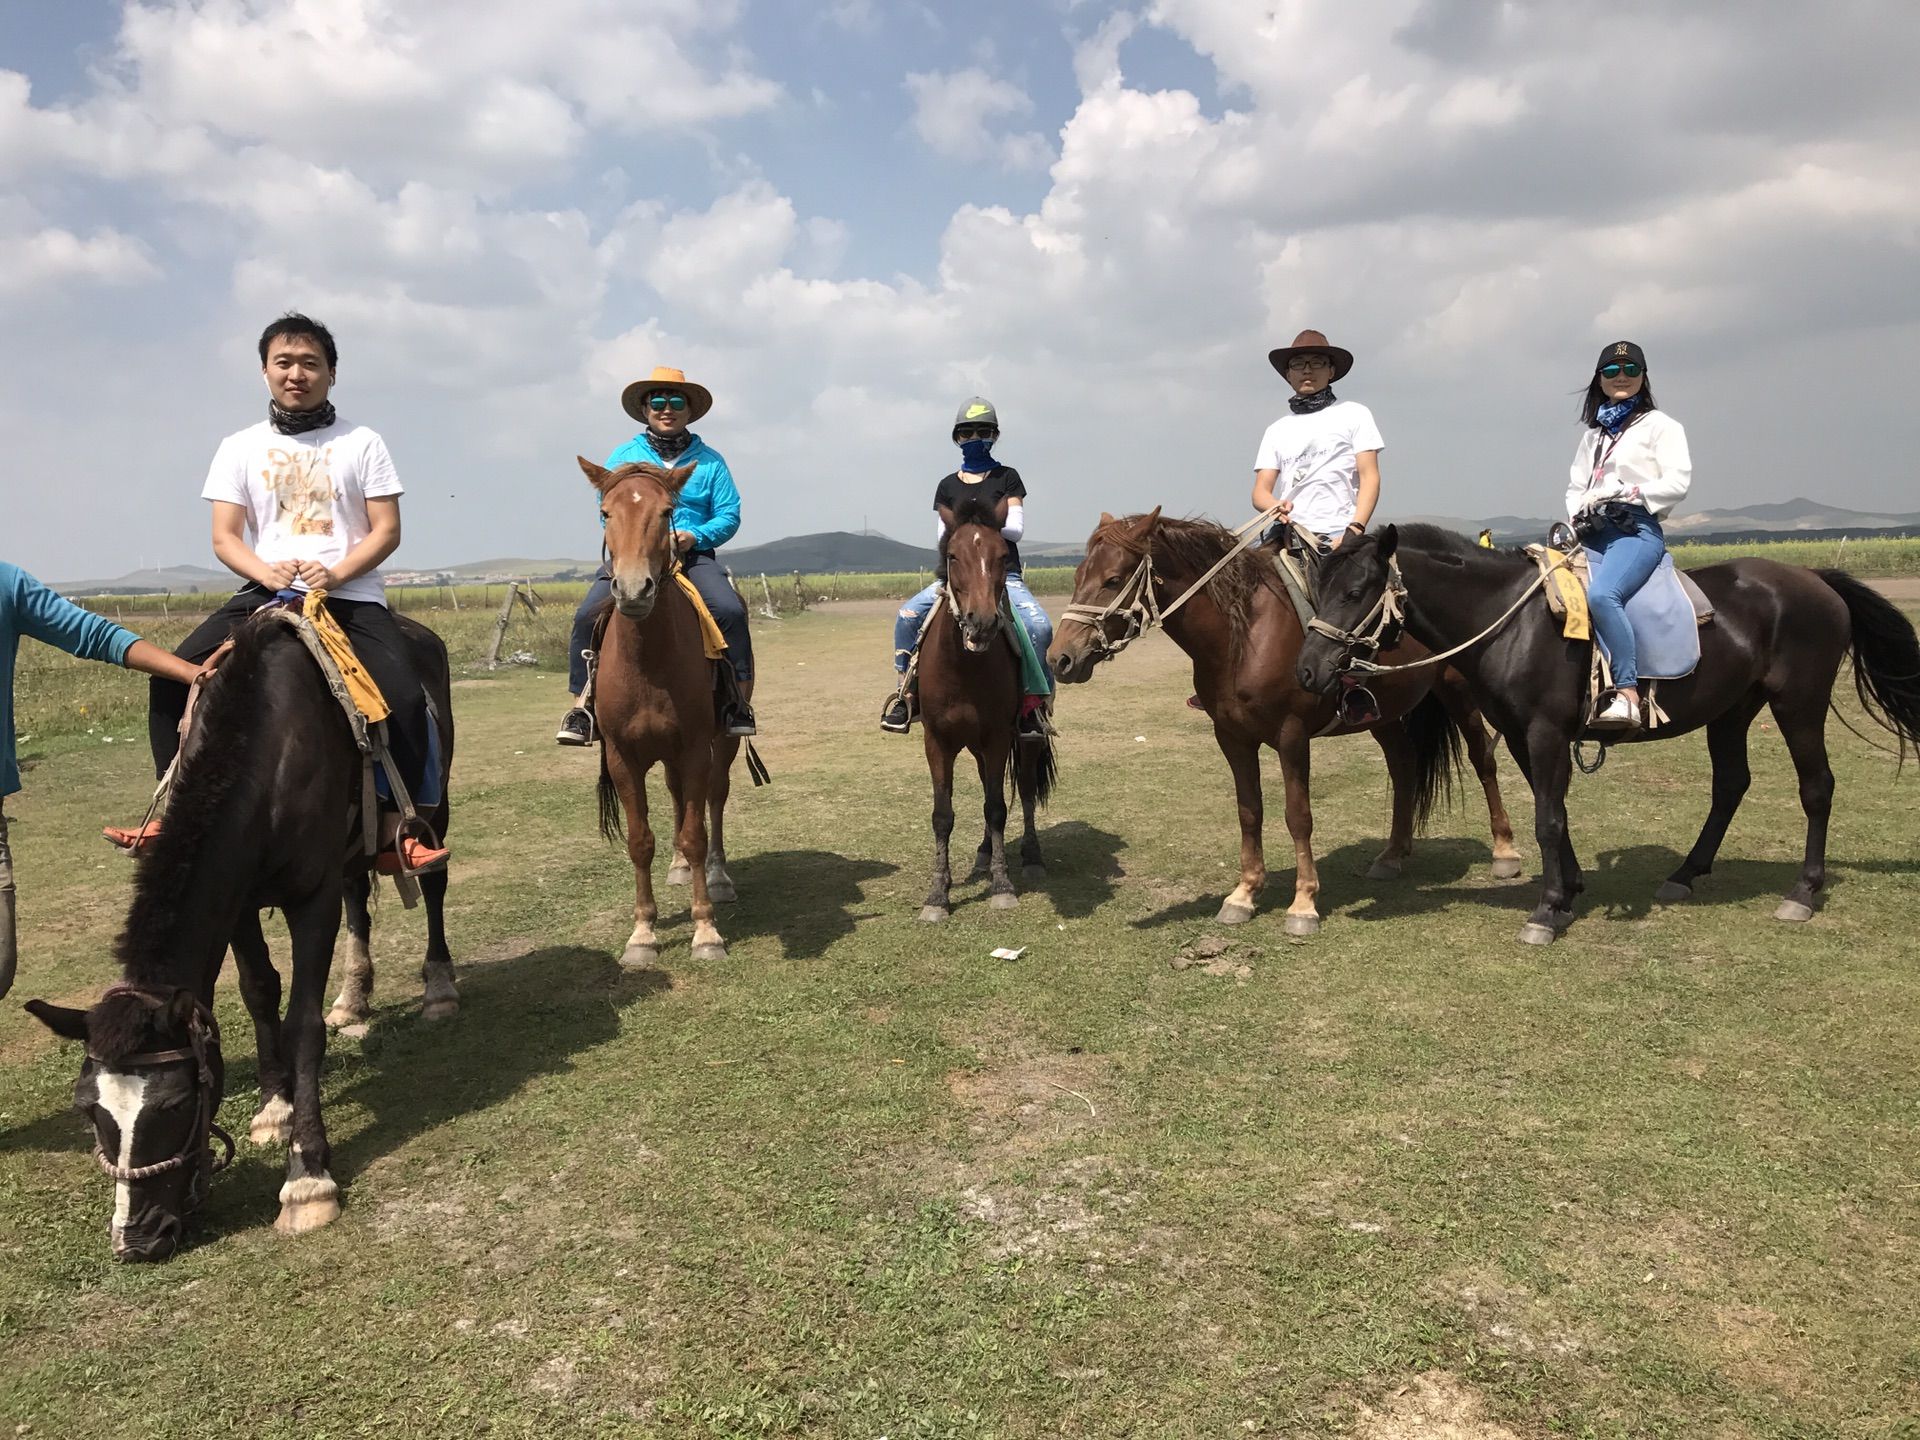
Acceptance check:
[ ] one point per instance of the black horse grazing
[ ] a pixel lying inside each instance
(265, 811)
(1778, 636)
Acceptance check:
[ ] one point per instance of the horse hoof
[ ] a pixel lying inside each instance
(1534, 933)
(679, 875)
(723, 893)
(1384, 870)
(1004, 900)
(307, 1205)
(1794, 911)
(933, 914)
(343, 1015)
(1302, 925)
(639, 957)
(1232, 914)
(1671, 892)
(273, 1125)
(712, 950)
(439, 1009)
(1507, 867)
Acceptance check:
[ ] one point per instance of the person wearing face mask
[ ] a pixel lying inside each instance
(975, 429)
(1321, 460)
(1630, 468)
(306, 500)
(706, 515)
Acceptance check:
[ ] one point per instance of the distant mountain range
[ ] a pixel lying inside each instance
(848, 552)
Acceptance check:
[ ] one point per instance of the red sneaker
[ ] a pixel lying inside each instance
(130, 840)
(410, 856)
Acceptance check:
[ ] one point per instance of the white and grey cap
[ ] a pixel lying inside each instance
(977, 411)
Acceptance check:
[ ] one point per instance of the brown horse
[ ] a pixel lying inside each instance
(653, 702)
(970, 700)
(1244, 638)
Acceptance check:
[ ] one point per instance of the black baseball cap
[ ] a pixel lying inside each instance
(1619, 353)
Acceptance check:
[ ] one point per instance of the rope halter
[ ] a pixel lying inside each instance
(203, 1033)
(1385, 617)
(1134, 601)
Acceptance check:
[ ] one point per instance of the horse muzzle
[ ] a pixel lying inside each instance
(1071, 665)
(148, 1238)
(977, 631)
(635, 599)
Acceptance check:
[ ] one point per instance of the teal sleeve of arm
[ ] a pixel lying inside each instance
(59, 622)
(723, 521)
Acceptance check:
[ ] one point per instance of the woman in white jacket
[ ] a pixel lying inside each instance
(1629, 471)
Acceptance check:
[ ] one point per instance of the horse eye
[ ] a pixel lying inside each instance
(1354, 593)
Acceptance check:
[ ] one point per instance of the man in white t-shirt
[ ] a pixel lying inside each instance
(1321, 460)
(305, 500)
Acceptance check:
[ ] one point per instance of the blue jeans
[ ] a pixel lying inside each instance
(1032, 616)
(1621, 563)
(709, 579)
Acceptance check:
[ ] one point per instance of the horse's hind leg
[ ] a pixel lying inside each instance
(1803, 725)
(354, 1004)
(940, 883)
(439, 1000)
(1398, 748)
(309, 1198)
(260, 989)
(992, 762)
(1483, 753)
(1027, 760)
(1727, 745)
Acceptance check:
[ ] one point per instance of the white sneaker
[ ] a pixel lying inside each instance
(1620, 713)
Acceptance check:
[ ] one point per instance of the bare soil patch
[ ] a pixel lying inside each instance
(1434, 1406)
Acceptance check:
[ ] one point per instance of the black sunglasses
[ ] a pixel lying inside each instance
(974, 432)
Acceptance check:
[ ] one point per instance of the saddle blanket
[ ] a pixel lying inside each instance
(1666, 624)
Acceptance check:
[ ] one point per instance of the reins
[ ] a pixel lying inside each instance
(201, 1027)
(1389, 608)
(1140, 608)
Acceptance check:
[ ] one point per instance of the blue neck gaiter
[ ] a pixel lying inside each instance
(976, 456)
(1612, 417)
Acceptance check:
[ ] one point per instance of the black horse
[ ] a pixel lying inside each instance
(265, 809)
(1777, 638)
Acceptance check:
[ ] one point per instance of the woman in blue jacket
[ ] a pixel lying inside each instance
(29, 608)
(705, 516)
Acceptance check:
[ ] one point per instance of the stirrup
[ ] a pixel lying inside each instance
(411, 854)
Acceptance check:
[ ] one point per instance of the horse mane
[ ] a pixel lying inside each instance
(204, 787)
(976, 510)
(1195, 545)
(1435, 539)
(644, 468)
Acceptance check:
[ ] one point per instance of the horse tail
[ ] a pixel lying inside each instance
(1886, 658)
(1437, 755)
(612, 817)
(1036, 767)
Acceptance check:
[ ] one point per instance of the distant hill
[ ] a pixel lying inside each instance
(1782, 520)
(179, 579)
(830, 551)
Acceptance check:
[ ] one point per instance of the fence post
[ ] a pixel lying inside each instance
(500, 625)
(766, 591)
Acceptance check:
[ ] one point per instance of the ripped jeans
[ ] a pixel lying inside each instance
(906, 625)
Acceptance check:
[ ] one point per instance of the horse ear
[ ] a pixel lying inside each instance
(1389, 541)
(67, 1023)
(675, 480)
(1143, 530)
(1105, 520)
(596, 474)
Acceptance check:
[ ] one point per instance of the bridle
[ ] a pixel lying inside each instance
(202, 1030)
(1380, 626)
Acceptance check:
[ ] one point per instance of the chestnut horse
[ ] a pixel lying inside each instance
(653, 704)
(970, 700)
(1244, 638)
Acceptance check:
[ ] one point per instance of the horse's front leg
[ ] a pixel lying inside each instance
(1548, 769)
(992, 762)
(1803, 725)
(309, 1198)
(1243, 758)
(1296, 769)
(643, 946)
(260, 989)
(688, 786)
(940, 885)
(1397, 746)
(354, 1004)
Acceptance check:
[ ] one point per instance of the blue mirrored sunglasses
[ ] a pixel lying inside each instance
(1614, 372)
(658, 403)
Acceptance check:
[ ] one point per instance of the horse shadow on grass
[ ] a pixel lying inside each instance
(1083, 868)
(520, 1019)
(807, 900)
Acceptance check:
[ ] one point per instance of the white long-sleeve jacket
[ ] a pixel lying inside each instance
(1650, 456)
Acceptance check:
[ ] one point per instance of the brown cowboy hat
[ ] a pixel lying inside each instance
(1311, 342)
(633, 399)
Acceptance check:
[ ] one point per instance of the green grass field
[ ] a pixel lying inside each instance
(1406, 1178)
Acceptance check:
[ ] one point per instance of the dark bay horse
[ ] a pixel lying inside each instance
(1777, 638)
(263, 812)
(653, 703)
(970, 700)
(1244, 637)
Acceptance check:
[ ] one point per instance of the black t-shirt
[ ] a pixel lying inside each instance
(999, 483)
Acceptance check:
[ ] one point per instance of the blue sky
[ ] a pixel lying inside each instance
(845, 217)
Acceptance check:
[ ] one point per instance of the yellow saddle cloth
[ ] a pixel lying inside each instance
(710, 636)
(366, 695)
